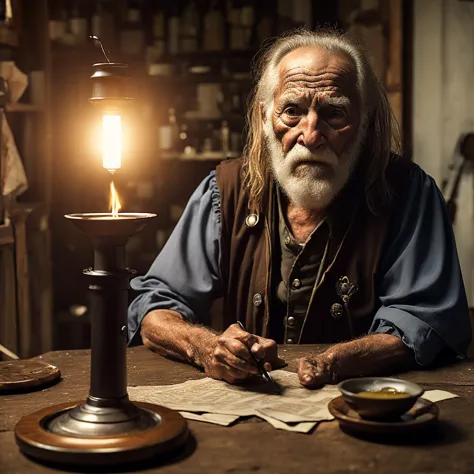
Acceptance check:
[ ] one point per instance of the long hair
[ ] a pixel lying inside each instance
(382, 136)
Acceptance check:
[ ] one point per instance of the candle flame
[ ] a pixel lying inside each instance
(115, 205)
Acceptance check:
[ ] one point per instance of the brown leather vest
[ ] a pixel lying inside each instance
(248, 251)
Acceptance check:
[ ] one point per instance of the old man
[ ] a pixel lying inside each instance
(321, 233)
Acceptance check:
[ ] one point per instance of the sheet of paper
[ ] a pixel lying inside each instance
(295, 404)
(438, 395)
(217, 419)
(289, 413)
(305, 427)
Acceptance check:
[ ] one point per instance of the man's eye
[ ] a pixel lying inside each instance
(336, 113)
(291, 111)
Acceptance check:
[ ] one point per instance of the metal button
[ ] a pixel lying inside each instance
(291, 321)
(296, 283)
(257, 299)
(290, 341)
(287, 240)
(251, 220)
(337, 310)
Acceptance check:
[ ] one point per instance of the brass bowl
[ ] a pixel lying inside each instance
(379, 408)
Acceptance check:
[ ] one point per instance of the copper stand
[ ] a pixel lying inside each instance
(107, 428)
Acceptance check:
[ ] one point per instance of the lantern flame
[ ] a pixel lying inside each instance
(115, 205)
(111, 142)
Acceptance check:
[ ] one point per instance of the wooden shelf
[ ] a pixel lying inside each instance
(193, 79)
(193, 116)
(213, 55)
(22, 107)
(209, 156)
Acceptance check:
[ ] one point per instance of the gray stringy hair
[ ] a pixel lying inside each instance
(382, 136)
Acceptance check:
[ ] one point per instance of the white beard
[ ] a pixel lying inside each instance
(311, 180)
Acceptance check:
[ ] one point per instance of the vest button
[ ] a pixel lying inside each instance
(291, 321)
(290, 341)
(296, 283)
(251, 220)
(337, 310)
(257, 299)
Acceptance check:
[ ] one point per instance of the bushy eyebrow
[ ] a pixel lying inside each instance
(323, 99)
(341, 101)
(291, 96)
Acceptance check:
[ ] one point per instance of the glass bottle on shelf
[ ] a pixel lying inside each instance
(225, 136)
(155, 52)
(207, 139)
(168, 134)
(234, 18)
(173, 30)
(247, 17)
(158, 31)
(189, 26)
(214, 28)
(132, 35)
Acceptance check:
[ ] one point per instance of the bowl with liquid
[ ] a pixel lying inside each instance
(379, 398)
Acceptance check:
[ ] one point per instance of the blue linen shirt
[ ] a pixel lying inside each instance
(419, 283)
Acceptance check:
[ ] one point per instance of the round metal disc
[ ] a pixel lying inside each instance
(35, 440)
(23, 375)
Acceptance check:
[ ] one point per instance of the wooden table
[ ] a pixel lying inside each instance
(254, 446)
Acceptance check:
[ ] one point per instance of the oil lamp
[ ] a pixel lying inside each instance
(107, 428)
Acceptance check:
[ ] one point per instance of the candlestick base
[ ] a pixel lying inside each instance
(102, 417)
(107, 428)
(41, 435)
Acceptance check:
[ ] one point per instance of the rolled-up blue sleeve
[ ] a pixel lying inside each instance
(419, 281)
(185, 276)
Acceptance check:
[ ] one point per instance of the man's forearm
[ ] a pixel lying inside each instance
(169, 334)
(375, 354)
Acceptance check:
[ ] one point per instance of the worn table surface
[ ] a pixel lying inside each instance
(255, 446)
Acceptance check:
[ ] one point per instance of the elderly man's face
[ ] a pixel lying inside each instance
(313, 131)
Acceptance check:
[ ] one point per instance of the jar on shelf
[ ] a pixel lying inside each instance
(214, 28)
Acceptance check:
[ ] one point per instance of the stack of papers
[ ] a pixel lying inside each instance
(295, 409)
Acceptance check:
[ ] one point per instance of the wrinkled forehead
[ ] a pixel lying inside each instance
(316, 70)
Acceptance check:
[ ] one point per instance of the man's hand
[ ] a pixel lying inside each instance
(230, 358)
(226, 356)
(375, 354)
(316, 371)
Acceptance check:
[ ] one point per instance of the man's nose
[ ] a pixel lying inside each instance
(310, 136)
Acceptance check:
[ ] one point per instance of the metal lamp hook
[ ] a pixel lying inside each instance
(96, 38)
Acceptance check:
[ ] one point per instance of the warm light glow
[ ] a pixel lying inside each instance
(111, 142)
(115, 205)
